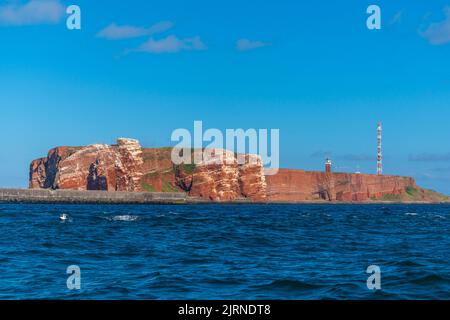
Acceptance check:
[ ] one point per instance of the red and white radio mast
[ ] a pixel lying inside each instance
(380, 155)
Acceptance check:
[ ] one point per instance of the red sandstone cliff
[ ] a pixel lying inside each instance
(95, 167)
(217, 178)
(299, 185)
(127, 166)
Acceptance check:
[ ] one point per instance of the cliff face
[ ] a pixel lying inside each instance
(221, 178)
(95, 167)
(218, 178)
(127, 166)
(299, 185)
(43, 171)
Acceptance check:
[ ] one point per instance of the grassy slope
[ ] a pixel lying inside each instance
(417, 195)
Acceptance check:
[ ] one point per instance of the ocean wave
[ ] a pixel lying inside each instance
(407, 263)
(430, 279)
(123, 218)
(287, 284)
(226, 252)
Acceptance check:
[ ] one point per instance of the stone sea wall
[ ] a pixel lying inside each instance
(75, 196)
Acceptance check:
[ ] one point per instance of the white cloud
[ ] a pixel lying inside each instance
(344, 157)
(357, 157)
(32, 12)
(321, 154)
(430, 157)
(439, 33)
(171, 44)
(245, 44)
(115, 32)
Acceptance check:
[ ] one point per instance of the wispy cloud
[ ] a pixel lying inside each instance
(426, 176)
(439, 33)
(321, 154)
(171, 44)
(116, 32)
(350, 157)
(246, 45)
(397, 18)
(31, 13)
(430, 157)
(357, 157)
(441, 169)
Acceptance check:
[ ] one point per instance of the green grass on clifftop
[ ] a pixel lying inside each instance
(167, 187)
(391, 197)
(436, 196)
(412, 194)
(189, 168)
(147, 187)
(411, 191)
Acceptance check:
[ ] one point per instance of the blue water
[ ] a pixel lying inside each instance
(225, 251)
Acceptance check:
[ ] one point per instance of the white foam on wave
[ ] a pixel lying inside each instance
(411, 214)
(64, 217)
(124, 218)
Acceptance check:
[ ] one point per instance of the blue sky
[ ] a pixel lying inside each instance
(310, 68)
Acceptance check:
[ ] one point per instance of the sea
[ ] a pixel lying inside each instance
(213, 251)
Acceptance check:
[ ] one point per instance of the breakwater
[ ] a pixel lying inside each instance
(73, 196)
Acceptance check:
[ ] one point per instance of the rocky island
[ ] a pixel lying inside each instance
(128, 168)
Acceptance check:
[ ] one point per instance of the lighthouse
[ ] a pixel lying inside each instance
(328, 166)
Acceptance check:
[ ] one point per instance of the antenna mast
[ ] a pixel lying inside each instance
(380, 155)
